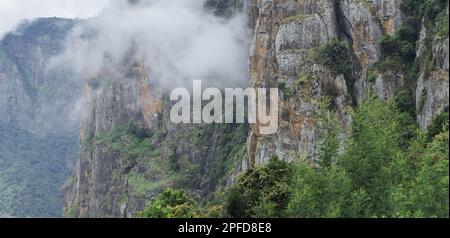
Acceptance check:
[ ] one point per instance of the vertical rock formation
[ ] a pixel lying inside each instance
(131, 151)
(113, 99)
(364, 23)
(432, 93)
(285, 34)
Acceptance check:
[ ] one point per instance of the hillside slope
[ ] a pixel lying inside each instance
(39, 139)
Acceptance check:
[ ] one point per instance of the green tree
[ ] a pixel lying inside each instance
(438, 125)
(266, 187)
(422, 178)
(328, 132)
(320, 193)
(171, 204)
(375, 142)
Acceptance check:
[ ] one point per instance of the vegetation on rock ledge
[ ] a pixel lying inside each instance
(375, 176)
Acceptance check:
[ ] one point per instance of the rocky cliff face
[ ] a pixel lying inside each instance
(432, 93)
(285, 32)
(130, 151)
(285, 35)
(38, 142)
(31, 83)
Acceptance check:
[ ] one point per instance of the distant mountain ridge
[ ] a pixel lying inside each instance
(38, 143)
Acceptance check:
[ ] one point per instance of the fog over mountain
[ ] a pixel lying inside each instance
(86, 130)
(178, 40)
(46, 62)
(39, 142)
(12, 12)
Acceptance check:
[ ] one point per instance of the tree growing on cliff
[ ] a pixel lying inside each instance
(171, 204)
(335, 55)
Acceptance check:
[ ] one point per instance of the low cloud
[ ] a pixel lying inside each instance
(176, 39)
(12, 12)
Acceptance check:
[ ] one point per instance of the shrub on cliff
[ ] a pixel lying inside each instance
(171, 204)
(336, 56)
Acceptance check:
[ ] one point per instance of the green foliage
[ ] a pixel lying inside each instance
(413, 7)
(405, 102)
(430, 194)
(372, 75)
(142, 185)
(264, 209)
(135, 145)
(265, 187)
(286, 91)
(171, 204)
(139, 132)
(381, 173)
(229, 148)
(422, 100)
(327, 136)
(131, 142)
(334, 55)
(407, 33)
(429, 10)
(422, 179)
(432, 10)
(33, 169)
(408, 129)
(375, 143)
(438, 125)
(303, 79)
(443, 26)
(399, 50)
(213, 211)
(320, 193)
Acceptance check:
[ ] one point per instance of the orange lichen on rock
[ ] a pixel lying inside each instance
(388, 26)
(149, 103)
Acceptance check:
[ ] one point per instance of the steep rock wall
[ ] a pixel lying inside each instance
(285, 33)
(131, 151)
(432, 92)
(116, 177)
